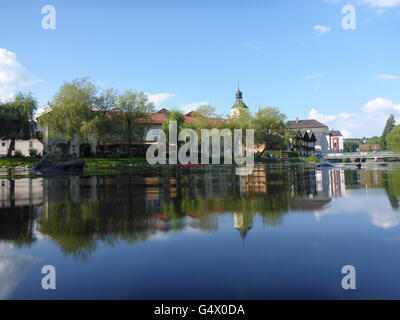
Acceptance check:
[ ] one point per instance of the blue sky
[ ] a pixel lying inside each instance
(291, 54)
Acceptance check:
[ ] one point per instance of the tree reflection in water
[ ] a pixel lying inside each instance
(79, 213)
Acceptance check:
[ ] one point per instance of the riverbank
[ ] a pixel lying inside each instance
(27, 162)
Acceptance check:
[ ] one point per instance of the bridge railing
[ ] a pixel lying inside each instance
(380, 154)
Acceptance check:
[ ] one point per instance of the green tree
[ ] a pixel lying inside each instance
(103, 124)
(293, 139)
(71, 107)
(270, 127)
(374, 140)
(393, 139)
(350, 146)
(390, 124)
(17, 118)
(205, 111)
(131, 110)
(174, 115)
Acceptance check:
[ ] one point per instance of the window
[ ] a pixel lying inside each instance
(3, 144)
(30, 144)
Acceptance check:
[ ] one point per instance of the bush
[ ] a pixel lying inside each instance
(33, 152)
(314, 158)
(18, 154)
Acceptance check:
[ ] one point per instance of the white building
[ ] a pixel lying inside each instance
(21, 145)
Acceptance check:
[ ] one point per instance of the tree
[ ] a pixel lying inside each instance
(174, 115)
(17, 120)
(374, 140)
(390, 124)
(205, 111)
(350, 146)
(71, 107)
(270, 128)
(293, 139)
(131, 110)
(393, 139)
(206, 118)
(103, 124)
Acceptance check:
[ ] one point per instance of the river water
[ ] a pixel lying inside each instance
(285, 232)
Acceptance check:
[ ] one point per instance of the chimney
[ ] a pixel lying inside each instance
(297, 119)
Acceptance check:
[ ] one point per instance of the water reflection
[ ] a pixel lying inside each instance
(80, 213)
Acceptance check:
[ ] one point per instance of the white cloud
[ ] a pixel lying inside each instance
(382, 3)
(345, 115)
(386, 77)
(379, 5)
(321, 30)
(312, 76)
(385, 218)
(159, 98)
(13, 75)
(379, 105)
(193, 106)
(315, 114)
(13, 268)
(369, 122)
(345, 133)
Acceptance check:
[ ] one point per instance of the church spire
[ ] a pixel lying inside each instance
(239, 95)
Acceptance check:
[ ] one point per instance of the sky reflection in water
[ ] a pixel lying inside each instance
(284, 232)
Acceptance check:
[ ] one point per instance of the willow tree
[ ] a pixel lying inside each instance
(69, 109)
(103, 124)
(130, 112)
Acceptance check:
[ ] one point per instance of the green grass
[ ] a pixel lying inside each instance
(12, 162)
(304, 160)
(108, 162)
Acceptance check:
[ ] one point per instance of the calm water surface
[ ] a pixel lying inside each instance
(284, 232)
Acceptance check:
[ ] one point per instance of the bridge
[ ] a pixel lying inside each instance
(361, 156)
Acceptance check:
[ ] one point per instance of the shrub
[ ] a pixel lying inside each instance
(33, 152)
(18, 154)
(314, 158)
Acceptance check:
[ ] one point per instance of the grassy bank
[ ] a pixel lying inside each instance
(114, 162)
(13, 162)
(304, 160)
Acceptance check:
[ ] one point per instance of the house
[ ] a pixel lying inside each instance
(318, 129)
(369, 147)
(114, 144)
(326, 141)
(117, 145)
(336, 141)
(22, 146)
(308, 141)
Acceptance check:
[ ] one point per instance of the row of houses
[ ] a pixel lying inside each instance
(315, 137)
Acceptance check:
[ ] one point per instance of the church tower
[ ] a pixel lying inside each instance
(239, 104)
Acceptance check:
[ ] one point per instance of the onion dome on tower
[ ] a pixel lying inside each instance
(239, 104)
